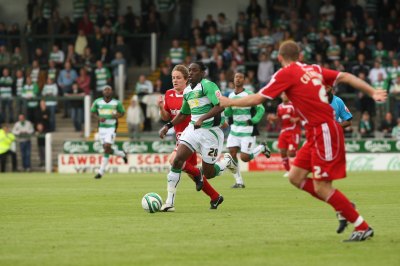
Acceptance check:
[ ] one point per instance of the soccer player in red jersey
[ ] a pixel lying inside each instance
(289, 137)
(324, 153)
(169, 108)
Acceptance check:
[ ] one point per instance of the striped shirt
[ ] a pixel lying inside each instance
(50, 91)
(241, 116)
(107, 110)
(102, 76)
(6, 84)
(200, 100)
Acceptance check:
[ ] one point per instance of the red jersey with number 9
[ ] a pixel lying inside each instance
(172, 104)
(304, 85)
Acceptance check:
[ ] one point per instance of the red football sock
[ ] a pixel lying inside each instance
(342, 205)
(308, 186)
(207, 188)
(285, 162)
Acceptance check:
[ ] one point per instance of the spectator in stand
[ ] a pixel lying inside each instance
(7, 90)
(334, 51)
(393, 70)
(118, 60)
(366, 126)
(88, 59)
(121, 47)
(212, 38)
(395, 93)
(381, 83)
(102, 78)
(253, 45)
(349, 53)
(390, 38)
(78, 7)
(37, 74)
(23, 130)
(376, 71)
(328, 10)
(396, 131)
(253, 10)
(166, 79)
(65, 80)
(49, 92)
(52, 72)
(18, 84)
(41, 143)
(380, 54)
(57, 56)
(387, 125)
(40, 57)
(225, 28)
(265, 70)
(5, 57)
(67, 27)
(43, 115)
(363, 49)
(16, 58)
(349, 34)
(71, 56)
(134, 118)
(76, 106)
(208, 23)
(86, 25)
(370, 31)
(144, 87)
(361, 66)
(84, 81)
(177, 53)
(30, 91)
(105, 55)
(7, 141)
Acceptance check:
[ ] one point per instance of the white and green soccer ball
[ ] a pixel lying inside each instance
(152, 202)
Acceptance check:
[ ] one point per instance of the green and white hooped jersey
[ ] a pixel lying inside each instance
(200, 100)
(107, 110)
(241, 115)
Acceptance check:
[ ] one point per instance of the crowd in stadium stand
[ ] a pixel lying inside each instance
(78, 54)
(363, 40)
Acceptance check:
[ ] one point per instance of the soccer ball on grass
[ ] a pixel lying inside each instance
(152, 202)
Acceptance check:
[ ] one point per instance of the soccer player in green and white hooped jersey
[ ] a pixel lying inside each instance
(243, 130)
(203, 134)
(108, 111)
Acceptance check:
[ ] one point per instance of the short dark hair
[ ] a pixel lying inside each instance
(201, 65)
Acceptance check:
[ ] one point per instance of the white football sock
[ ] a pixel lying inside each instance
(257, 150)
(104, 163)
(119, 153)
(238, 176)
(173, 180)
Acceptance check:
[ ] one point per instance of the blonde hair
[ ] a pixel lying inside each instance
(289, 50)
(183, 69)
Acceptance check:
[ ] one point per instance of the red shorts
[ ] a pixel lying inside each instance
(289, 140)
(324, 152)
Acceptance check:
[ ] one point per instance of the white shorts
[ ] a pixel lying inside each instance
(246, 143)
(106, 135)
(206, 141)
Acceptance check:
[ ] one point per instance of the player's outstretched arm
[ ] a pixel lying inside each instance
(250, 100)
(378, 95)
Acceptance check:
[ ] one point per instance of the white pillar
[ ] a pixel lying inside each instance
(86, 108)
(121, 82)
(153, 51)
(48, 153)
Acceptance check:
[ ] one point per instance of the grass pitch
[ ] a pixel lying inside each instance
(76, 220)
